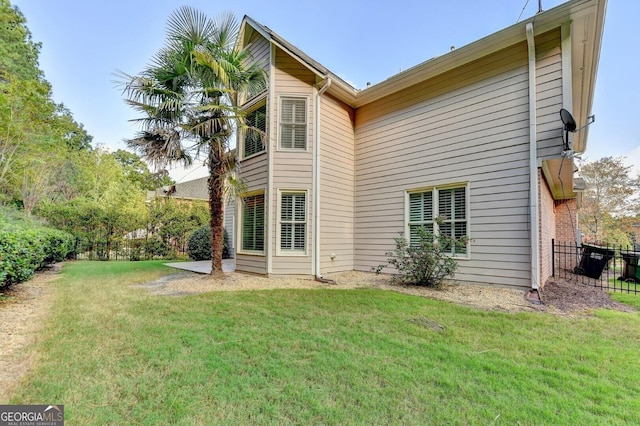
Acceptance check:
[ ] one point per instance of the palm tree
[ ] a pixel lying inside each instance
(188, 96)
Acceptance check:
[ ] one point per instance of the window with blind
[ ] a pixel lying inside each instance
(253, 223)
(293, 222)
(254, 135)
(293, 123)
(447, 204)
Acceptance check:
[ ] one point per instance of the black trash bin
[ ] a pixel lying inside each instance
(593, 260)
(631, 271)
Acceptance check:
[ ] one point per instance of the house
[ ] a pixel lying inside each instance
(473, 136)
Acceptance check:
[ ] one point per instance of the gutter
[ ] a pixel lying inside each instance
(533, 170)
(316, 180)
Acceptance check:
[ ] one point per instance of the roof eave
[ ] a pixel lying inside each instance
(514, 34)
(339, 88)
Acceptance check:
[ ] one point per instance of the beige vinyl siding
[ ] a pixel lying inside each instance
(292, 170)
(229, 224)
(260, 49)
(549, 95)
(254, 264)
(337, 186)
(467, 126)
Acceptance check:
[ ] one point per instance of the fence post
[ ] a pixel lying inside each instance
(553, 257)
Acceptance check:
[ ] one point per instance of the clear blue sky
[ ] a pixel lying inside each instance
(84, 42)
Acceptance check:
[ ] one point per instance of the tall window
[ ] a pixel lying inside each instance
(448, 204)
(253, 223)
(293, 222)
(255, 134)
(293, 123)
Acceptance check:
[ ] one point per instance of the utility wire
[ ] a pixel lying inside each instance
(522, 11)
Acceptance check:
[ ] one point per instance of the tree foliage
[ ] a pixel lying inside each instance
(37, 136)
(18, 52)
(611, 195)
(137, 171)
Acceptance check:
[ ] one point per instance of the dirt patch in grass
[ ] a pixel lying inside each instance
(22, 314)
(569, 296)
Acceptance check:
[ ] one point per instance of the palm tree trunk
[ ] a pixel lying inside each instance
(216, 209)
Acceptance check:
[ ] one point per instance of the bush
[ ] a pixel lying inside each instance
(155, 247)
(199, 244)
(60, 245)
(426, 263)
(25, 250)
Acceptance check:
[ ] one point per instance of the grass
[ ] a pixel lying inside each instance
(113, 354)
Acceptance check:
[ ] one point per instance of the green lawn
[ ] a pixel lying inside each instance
(114, 354)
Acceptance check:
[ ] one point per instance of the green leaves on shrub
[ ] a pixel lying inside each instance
(25, 250)
(427, 262)
(199, 244)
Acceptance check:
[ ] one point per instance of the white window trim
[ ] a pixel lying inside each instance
(435, 189)
(307, 122)
(249, 107)
(240, 216)
(294, 253)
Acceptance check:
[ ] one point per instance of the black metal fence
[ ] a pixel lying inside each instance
(128, 249)
(610, 267)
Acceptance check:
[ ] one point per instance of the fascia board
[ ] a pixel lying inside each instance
(509, 36)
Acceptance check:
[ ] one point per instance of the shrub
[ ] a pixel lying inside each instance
(155, 247)
(25, 250)
(199, 244)
(426, 263)
(60, 245)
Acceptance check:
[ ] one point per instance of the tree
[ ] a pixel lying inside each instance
(611, 195)
(18, 52)
(188, 97)
(138, 172)
(36, 134)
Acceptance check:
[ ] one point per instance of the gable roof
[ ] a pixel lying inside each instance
(587, 22)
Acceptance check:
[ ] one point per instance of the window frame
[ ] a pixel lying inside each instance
(286, 251)
(281, 101)
(435, 207)
(241, 211)
(251, 106)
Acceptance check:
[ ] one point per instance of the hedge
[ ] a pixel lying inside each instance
(25, 250)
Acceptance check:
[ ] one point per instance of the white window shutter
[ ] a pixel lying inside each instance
(293, 123)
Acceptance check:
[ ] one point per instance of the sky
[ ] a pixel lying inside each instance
(85, 43)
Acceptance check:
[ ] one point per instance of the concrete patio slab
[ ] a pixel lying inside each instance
(203, 266)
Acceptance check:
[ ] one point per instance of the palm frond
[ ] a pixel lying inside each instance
(188, 25)
(227, 30)
(161, 147)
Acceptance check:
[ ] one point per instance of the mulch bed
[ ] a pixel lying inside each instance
(571, 296)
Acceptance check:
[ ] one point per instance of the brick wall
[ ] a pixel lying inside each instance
(548, 228)
(566, 212)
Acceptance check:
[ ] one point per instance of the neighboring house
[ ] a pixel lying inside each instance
(189, 190)
(473, 136)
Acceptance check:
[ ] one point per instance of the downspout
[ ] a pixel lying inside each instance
(316, 181)
(533, 170)
(271, 147)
